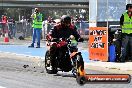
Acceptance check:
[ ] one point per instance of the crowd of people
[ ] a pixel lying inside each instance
(10, 26)
(7, 25)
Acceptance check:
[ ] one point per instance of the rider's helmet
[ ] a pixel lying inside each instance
(65, 20)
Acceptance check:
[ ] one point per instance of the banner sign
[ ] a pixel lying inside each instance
(98, 43)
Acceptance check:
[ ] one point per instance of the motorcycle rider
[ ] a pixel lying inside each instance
(63, 30)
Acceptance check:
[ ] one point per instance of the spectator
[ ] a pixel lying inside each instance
(23, 21)
(14, 28)
(10, 23)
(125, 22)
(51, 23)
(37, 27)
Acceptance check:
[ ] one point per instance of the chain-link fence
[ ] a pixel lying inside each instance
(23, 30)
(15, 29)
(18, 29)
(82, 28)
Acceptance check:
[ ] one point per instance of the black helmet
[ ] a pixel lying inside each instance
(128, 5)
(66, 19)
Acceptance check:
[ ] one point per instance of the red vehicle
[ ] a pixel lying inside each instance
(67, 58)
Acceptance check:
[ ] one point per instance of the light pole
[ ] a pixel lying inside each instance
(107, 14)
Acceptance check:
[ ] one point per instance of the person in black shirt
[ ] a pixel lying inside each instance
(65, 29)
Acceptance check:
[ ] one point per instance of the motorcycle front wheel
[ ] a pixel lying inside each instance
(78, 62)
(49, 64)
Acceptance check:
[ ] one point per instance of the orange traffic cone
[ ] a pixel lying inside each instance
(6, 38)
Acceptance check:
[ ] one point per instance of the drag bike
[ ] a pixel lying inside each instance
(63, 56)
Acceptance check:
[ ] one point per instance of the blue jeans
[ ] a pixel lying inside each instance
(36, 34)
(14, 30)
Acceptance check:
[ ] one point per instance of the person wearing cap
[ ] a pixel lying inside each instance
(37, 27)
(126, 25)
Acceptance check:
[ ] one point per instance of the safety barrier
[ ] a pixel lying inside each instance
(26, 30)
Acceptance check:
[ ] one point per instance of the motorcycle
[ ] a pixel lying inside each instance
(62, 55)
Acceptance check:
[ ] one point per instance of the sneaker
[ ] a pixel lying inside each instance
(38, 47)
(31, 46)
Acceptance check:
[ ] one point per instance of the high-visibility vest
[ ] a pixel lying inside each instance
(127, 24)
(33, 23)
(37, 22)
